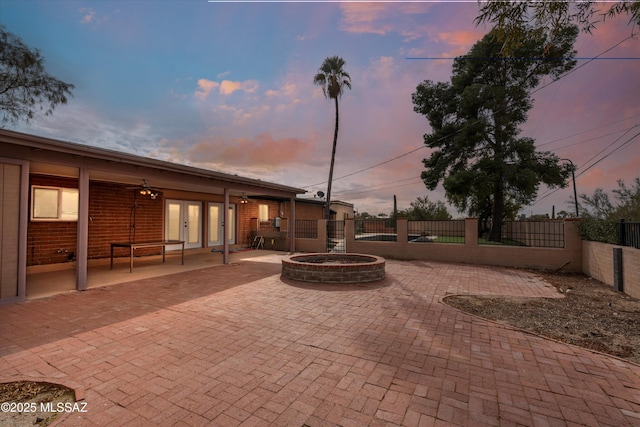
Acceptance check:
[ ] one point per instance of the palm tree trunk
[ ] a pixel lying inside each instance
(327, 212)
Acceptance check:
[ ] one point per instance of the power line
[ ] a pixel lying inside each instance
(606, 148)
(594, 138)
(589, 130)
(590, 60)
(611, 153)
(370, 167)
(378, 186)
(584, 64)
(624, 144)
(351, 193)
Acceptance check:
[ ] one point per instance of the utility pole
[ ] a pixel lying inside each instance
(575, 193)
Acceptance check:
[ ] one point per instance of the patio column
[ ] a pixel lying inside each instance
(225, 225)
(22, 229)
(292, 224)
(82, 249)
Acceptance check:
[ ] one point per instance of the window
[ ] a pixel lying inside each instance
(263, 213)
(54, 204)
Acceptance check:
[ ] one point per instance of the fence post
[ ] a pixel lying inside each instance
(471, 231)
(622, 235)
(402, 231)
(349, 231)
(322, 235)
(618, 281)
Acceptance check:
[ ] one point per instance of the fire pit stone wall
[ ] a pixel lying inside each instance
(333, 268)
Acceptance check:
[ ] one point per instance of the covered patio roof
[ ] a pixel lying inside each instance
(61, 158)
(46, 156)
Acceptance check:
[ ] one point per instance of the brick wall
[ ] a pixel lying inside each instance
(245, 213)
(249, 211)
(50, 242)
(112, 219)
(306, 210)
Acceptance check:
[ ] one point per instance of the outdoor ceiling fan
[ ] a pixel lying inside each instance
(146, 190)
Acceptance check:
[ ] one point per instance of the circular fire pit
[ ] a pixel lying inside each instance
(333, 268)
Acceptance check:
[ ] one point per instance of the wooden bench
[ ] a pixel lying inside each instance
(134, 246)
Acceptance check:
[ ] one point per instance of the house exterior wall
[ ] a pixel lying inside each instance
(113, 217)
(9, 225)
(50, 242)
(343, 210)
(306, 210)
(251, 210)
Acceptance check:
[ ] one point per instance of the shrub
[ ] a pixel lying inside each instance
(599, 230)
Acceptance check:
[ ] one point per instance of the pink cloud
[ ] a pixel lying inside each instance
(88, 15)
(261, 151)
(362, 17)
(287, 89)
(205, 87)
(381, 18)
(460, 41)
(226, 87)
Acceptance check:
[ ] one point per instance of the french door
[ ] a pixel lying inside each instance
(183, 221)
(216, 224)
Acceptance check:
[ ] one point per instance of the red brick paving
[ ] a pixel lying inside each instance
(235, 345)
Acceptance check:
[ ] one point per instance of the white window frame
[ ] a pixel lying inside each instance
(63, 212)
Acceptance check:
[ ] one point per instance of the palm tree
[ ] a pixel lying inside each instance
(333, 79)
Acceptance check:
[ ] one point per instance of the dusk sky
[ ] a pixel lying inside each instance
(228, 86)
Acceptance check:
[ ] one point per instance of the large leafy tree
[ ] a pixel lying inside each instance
(549, 17)
(485, 167)
(25, 86)
(423, 209)
(333, 78)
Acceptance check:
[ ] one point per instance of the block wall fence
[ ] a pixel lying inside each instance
(598, 263)
(577, 256)
(569, 257)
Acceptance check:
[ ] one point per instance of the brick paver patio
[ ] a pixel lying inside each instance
(235, 345)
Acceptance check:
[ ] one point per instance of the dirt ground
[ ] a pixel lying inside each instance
(28, 400)
(591, 314)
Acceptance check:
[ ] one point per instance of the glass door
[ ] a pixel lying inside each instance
(183, 222)
(216, 224)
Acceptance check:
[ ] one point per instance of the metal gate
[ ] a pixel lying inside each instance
(336, 241)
